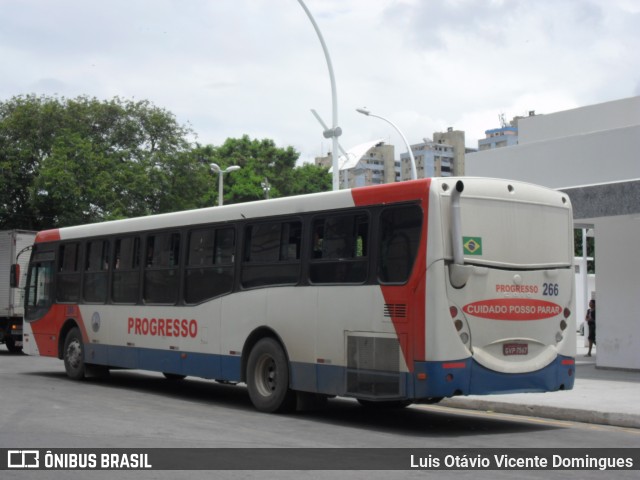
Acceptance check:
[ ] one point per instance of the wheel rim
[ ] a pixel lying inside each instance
(74, 354)
(266, 376)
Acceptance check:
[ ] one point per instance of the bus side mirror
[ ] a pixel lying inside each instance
(14, 276)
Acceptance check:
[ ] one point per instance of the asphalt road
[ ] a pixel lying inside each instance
(41, 408)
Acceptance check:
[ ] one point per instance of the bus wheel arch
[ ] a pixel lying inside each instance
(69, 325)
(267, 373)
(73, 354)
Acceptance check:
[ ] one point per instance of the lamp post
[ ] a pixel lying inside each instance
(266, 187)
(335, 131)
(216, 169)
(366, 112)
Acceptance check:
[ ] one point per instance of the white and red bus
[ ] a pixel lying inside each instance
(391, 294)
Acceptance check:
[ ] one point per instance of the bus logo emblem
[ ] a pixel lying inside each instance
(472, 245)
(95, 322)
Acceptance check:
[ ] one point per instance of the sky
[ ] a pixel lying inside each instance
(232, 67)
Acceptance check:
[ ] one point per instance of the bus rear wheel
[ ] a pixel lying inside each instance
(73, 355)
(268, 378)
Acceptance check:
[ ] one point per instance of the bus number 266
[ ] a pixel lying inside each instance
(550, 289)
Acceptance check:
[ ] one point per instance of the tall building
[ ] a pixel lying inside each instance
(505, 136)
(441, 157)
(369, 163)
(432, 160)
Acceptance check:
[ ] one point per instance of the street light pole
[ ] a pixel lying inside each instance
(216, 169)
(266, 187)
(335, 131)
(366, 112)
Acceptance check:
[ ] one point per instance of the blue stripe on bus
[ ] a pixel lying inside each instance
(467, 377)
(205, 365)
(443, 379)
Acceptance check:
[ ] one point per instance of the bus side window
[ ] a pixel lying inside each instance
(161, 282)
(68, 273)
(125, 283)
(340, 249)
(400, 229)
(209, 269)
(272, 254)
(96, 271)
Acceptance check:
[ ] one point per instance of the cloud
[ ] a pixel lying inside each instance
(230, 67)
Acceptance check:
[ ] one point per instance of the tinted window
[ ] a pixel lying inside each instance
(68, 273)
(272, 254)
(125, 284)
(209, 271)
(162, 258)
(400, 229)
(96, 271)
(340, 249)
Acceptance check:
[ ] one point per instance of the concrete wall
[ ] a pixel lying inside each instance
(599, 157)
(618, 294)
(580, 121)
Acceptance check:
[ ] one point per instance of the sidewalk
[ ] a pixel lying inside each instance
(602, 396)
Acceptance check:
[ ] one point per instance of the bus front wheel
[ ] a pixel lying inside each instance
(268, 378)
(73, 355)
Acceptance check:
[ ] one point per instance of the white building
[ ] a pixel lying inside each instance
(593, 154)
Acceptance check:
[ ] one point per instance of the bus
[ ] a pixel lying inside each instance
(390, 294)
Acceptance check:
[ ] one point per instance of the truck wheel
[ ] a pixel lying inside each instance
(73, 355)
(268, 378)
(11, 345)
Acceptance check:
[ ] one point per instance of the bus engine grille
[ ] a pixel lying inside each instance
(373, 366)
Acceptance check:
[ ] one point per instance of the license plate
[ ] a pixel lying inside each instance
(515, 349)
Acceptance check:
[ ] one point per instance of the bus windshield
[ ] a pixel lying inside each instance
(38, 294)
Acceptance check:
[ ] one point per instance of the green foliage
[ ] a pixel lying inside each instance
(260, 160)
(591, 248)
(75, 161)
(83, 160)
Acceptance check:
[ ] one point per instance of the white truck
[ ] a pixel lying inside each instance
(14, 259)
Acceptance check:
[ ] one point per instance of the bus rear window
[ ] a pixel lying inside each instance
(400, 229)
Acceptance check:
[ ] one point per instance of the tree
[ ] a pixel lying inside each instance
(260, 160)
(77, 161)
(82, 160)
(591, 248)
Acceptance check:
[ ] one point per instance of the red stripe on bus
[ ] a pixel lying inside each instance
(390, 193)
(454, 365)
(410, 330)
(48, 236)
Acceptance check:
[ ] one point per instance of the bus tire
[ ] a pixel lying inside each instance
(73, 355)
(268, 378)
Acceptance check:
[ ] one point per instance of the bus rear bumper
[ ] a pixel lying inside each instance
(467, 377)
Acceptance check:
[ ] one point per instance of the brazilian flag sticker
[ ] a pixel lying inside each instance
(472, 245)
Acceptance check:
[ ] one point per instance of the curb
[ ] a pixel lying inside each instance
(614, 419)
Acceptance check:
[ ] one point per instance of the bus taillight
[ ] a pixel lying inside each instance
(461, 326)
